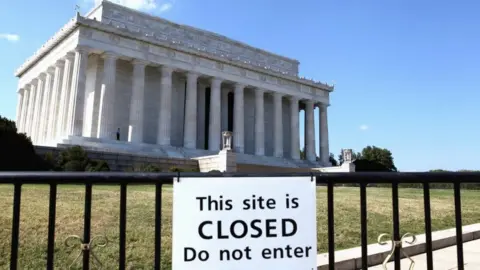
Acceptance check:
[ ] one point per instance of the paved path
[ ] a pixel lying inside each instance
(444, 259)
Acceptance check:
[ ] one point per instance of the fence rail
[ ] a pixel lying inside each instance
(159, 179)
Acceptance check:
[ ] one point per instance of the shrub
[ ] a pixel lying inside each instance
(74, 166)
(195, 170)
(98, 166)
(51, 159)
(176, 169)
(75, 159)
(149, 167)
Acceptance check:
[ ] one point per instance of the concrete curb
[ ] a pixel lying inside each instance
(350, 259)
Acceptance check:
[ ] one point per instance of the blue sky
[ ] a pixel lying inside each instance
(406, 72)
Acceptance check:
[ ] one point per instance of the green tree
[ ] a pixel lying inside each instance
(372, 159)
(333, 160)
(16, 150)
(303, 155)
(382, 156)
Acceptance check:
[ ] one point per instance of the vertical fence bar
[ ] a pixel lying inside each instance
(363, 221)
(87, 224)
(158, 225)
(428, 224)
(396, 222)
(458, 225)
(17, 193)
(331, 227)
(123, 224)
(52, 208)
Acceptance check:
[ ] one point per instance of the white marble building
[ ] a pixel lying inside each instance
(170, 89)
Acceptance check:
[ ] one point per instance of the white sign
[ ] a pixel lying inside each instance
(244, 223)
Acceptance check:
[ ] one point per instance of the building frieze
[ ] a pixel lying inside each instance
(156, 53)
(162, 30)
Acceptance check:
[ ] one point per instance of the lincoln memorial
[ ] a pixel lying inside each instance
(169, 90)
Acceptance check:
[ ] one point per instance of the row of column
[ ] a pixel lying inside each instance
(44, 107)
(135, 134)
(53, 106)
(310, 132)
(259, 125)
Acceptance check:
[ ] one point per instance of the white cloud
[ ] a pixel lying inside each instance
(144, 5)
(363, 127)
(166, 7)
(10, 37)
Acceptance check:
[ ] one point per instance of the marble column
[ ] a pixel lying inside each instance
(190, 124)
(92, 93)
(278, 124)
(239, 122)
(37, 108)
(30, 109)
(165, 112)
(309, 131)
(201, 116)
(323, 122)
(77, 93)
(214, 134)
(259, 122)
(294, 127)
(65, 95)
(106, 115)
(135, 128)
(55, 101)
(20, 93)
(23, 118)
(44, 116)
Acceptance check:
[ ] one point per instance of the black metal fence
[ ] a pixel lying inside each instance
(328, 179)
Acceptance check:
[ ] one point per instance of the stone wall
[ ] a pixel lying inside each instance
(249, 168)
(124, 162)
(208, 163)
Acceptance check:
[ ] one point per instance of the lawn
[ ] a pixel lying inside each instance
(141, 220)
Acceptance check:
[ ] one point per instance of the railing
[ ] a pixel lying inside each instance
(328, 179)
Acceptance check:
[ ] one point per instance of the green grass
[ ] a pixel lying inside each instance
(141, 221)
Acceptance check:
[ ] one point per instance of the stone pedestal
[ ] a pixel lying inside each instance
(227, 161)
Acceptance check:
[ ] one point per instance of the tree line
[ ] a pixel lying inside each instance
(370, 159)
(18, 154)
